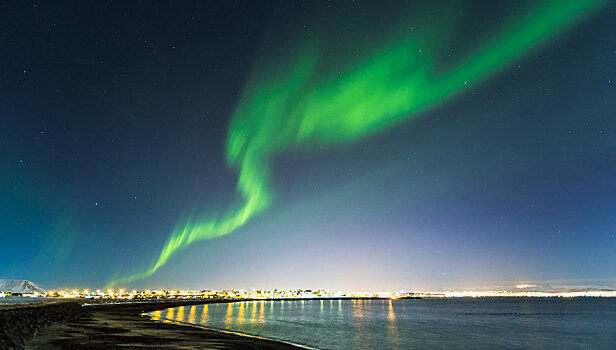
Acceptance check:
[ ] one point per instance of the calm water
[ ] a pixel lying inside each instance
(460, 323)
(23, 300)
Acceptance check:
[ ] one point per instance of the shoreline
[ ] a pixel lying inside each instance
(126, 325)
(258, 337)
(226, 331)
(18, 324)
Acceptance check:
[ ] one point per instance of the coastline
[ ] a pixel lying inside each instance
(226, 331)
(19, 323)
(126, 325)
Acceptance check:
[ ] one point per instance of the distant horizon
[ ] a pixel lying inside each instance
(512, 286)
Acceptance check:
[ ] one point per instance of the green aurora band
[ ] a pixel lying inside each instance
(287, 105)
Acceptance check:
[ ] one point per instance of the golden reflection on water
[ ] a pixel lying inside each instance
(393, 330)
(358, 321)
(204, 315)
(240, 313)
(253, 313)
(262, 312)
(229, 315)
(358, 308)
(192, 315)
(157, 315)
(180, 316)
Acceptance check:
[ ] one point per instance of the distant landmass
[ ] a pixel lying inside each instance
(19, 286)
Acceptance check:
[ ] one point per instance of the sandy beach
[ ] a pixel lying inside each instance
(123, 326)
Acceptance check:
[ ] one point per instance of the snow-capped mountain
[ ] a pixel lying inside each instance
(19, 286)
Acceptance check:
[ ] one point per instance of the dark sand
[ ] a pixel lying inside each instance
(122, 326)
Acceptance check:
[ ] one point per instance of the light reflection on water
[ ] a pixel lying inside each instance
(262, 313)
(192, 316)
(203, 319)
(180, 315)
(240, 314)
(156, 314)
(253, 313)
(391, 317)
(404, 324)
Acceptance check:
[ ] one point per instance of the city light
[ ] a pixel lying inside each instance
(276, 294)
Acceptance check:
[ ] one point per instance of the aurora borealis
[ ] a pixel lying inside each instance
(295, 107)
(344, 84)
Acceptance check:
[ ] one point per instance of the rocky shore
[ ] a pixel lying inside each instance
(114, 326)
(18, 324)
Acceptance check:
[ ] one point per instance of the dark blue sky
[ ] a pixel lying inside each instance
(113, 123)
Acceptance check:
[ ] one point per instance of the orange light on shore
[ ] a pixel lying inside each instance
(299, 294)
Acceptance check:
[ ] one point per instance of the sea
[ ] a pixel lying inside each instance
(438, 323)
(15, 300)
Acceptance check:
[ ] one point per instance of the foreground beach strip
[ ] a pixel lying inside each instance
(124, 325)
(18, 323)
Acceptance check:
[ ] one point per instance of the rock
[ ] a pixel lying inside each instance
(19, 324)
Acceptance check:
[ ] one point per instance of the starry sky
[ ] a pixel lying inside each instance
(278, 144)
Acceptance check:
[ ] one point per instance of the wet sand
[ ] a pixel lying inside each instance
(123, 326)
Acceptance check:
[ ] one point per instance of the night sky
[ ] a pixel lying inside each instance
(346, 145)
